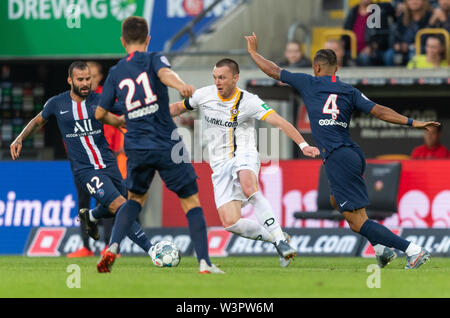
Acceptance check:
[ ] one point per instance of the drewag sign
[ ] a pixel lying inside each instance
(65, 28)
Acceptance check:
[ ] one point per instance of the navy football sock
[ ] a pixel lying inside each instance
(101, 212)
(138, 236)
(379, 234)
(126, 215)
(197, 230)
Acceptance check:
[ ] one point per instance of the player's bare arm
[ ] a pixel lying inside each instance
(277, 121)
(171, 79)
(177, 109)
(391, 116)
(33, 126)
(268, 67)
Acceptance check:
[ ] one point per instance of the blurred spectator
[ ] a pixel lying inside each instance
(432, 149)
(371, 42)
(338, 47)
(441, 15)
(416, 16)
(294, 56)
(434, 56)
(96, 76)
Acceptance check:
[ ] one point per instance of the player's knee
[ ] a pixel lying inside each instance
(139, 198)
(190, 202)
(248, 189)
(115, 205)
(229, 219)
(227, 223)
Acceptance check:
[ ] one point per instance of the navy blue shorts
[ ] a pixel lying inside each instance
(142, 164)
(105, 185)
(345, 168)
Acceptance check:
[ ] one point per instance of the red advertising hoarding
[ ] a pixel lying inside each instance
(291, 186)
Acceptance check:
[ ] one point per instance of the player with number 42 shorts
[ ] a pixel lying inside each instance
(93, 163)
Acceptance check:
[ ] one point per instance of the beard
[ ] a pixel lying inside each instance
(77, 90)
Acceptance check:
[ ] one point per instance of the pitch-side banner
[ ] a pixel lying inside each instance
(34, 194)
(60, 241)
(423, 197)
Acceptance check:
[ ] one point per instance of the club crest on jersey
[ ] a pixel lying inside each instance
(234, 112)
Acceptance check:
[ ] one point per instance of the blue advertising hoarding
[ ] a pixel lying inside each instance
(167, 17)
(34, 194)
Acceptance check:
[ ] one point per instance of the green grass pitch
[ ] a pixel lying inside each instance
(246, 277)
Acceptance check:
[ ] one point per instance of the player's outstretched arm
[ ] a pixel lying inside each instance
(391, 116)
(268, 67)
(107, 118)
(177, 109)
(277, 121)
(34, 125)
(171, 79)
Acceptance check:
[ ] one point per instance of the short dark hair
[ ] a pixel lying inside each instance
(438, 37)
(134, 30)
(233, 65)
(79, 65)
(326, 56)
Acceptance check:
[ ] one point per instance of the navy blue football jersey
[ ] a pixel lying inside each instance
(134, 82)
(330, 104)
(83, 135)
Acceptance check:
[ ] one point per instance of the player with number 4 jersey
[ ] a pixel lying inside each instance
(330, 104)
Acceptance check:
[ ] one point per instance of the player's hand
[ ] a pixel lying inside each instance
(310, 151)
(428, 125)
(252, 43)
(16, 148)
(122, 122)
(186, 90)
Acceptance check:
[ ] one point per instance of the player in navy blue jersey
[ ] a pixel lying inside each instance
(139, 82)
(93, 163)
(330, 104)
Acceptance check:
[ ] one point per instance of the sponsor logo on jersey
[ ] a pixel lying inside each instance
(220, 122)
(83, 128)
(141, 112)
(332, 122)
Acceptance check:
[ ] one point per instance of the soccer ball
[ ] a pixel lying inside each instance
(165, 254)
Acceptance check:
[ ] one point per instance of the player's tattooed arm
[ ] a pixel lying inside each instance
(32, 127)
(268, 67)
(391, 116)
(171, 79)
(177, 109)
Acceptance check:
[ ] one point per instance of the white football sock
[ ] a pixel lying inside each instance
(91, 217)
(265, 215)
(379, 249)
(250, 229)
(413, 249)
